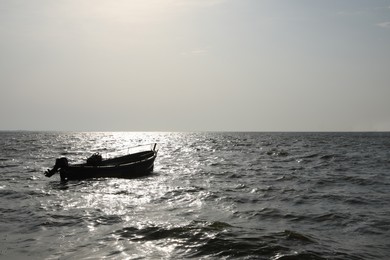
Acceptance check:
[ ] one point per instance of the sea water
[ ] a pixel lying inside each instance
(211, 196)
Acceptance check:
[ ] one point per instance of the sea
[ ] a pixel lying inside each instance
(212, 195)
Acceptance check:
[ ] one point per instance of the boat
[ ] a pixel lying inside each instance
(129, 166)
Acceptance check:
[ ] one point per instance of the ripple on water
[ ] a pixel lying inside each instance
(213, 195)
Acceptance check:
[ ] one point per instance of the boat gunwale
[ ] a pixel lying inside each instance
(86, 166)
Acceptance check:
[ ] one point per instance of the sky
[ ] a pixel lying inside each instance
(195, 65)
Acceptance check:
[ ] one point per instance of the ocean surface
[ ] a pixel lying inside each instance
(211, 196)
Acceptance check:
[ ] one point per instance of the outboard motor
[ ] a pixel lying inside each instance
(60, 163)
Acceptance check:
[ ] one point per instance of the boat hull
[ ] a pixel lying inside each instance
(128, 167)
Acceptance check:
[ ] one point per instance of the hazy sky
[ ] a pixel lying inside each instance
(193, 65)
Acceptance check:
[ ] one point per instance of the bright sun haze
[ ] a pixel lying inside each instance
(195, 65)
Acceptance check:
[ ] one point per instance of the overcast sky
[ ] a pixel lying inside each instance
(195, 65)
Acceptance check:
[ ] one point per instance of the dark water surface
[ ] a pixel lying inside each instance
(212, 195)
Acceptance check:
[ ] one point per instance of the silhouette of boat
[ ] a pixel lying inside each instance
(128, 166)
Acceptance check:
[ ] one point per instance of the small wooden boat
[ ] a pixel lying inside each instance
(128, 166)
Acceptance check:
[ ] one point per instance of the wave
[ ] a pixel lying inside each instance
(213, 195)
